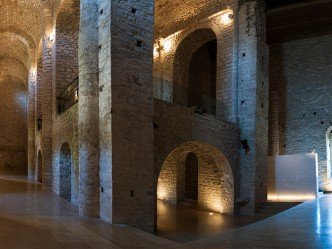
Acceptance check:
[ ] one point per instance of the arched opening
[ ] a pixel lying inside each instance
(191, 177)
(65, 172)
(329, 151)
(202, 78)
(39, 167)
(195, 71)
(195, 191)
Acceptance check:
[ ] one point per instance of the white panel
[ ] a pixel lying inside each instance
(293, 177)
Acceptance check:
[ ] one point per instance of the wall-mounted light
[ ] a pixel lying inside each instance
(33, 73)
(167, 45)
(51, 36)
(227, 16)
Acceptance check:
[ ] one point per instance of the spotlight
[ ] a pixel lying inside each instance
(227, 17)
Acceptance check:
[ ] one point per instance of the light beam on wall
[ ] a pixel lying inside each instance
(51, 36)
(227, 17)
(167, 44)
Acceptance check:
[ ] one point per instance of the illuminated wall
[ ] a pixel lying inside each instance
(13, 125)
(215, 179)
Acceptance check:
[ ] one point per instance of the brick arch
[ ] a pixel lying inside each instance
(184, 52)
(13, 68)
(23, 36)
(215, 184)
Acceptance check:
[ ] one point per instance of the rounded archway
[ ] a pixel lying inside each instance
(215, 184)
(195, 71)
(39, 170)
(65, 172)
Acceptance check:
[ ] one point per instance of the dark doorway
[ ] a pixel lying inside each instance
(202, 78)
(191, 177)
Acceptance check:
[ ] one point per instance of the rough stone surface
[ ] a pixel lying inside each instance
(302, 72)
(13, 126)
(179, 128)
(253, 104)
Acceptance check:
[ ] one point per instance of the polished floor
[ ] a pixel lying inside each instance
(184, 223)
(32, 218)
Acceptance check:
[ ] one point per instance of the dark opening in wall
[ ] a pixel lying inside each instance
(202, 78)
(191, 177)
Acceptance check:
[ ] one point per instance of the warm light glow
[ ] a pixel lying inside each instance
(227, 17)
(167, 45)
(211, 214)
(33, 74)
(156, 50)
(283, 198)
(51, 36)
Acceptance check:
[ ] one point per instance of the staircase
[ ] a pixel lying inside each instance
(268, 209)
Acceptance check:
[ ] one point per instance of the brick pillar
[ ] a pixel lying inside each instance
(31, 121)
(46, 132)
(253, 104)
(88, 105)
(126, 111)
(273, 123)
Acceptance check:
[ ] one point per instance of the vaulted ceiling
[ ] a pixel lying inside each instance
(21, 28)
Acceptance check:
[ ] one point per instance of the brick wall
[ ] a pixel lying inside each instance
(177, 125)
(65, 130)
(13, 126)
(301, 72)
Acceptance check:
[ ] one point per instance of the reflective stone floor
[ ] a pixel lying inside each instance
(182, 223)
(31, 218)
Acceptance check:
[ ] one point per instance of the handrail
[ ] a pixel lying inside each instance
(68, 97)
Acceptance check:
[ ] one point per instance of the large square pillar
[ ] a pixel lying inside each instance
(126, 110)
(253, 104)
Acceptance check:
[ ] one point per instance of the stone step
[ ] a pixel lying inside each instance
(273, 208)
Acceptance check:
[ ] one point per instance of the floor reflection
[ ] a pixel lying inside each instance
(183, 223)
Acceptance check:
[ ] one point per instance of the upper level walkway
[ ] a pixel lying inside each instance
(32, 218)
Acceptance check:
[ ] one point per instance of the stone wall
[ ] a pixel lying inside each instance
(172, 54)
(301, 73)
(64, 131)
(13, 126)
(173, 15)
(176, 125)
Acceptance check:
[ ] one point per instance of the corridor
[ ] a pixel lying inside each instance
(32, 218)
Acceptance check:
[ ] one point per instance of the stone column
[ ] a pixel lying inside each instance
(31, 121)
(126, 112)
(88, 106)
(46, 132)
(273, 123)
(253, 104)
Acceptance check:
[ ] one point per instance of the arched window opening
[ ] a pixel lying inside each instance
(202, 78)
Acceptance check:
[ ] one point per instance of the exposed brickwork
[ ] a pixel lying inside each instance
(13, 126)
(127, 107)
(302, 71)
(178, 125)
(64, 131)
(253, 104)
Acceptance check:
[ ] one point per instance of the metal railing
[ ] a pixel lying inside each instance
(203, 103)
(68, 97)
